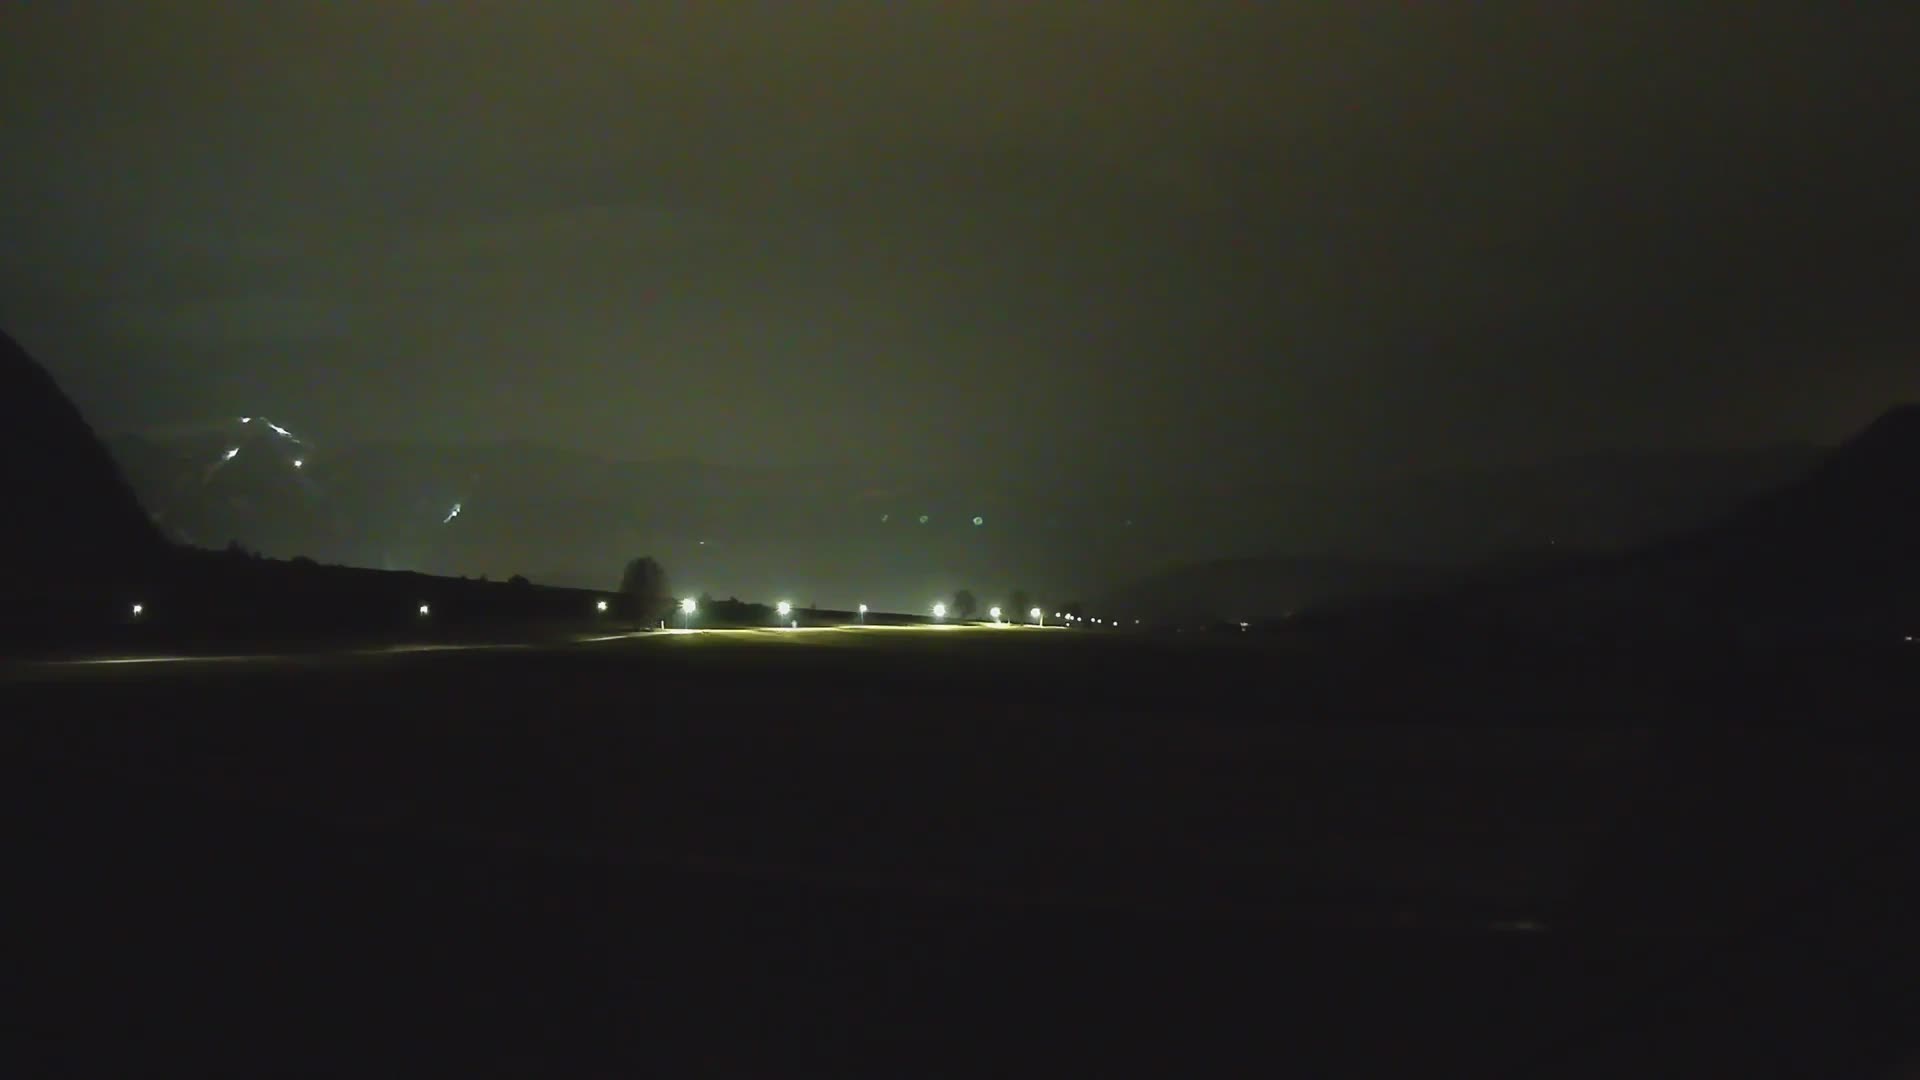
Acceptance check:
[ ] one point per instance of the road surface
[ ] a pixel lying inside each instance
(901, 849)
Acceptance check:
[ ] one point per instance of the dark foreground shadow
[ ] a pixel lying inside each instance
(153, 930)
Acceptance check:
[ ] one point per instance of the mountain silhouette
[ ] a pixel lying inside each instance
(72, 520)
(1257, 588)
(1832, 555)
(853, 531)
(1839, 550)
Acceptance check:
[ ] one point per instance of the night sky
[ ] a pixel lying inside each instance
(1140, 240)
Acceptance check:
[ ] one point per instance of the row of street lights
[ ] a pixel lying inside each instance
(784, 609)
(689, 607)
(1035, 614)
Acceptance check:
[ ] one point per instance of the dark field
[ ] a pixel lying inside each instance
(958, 852)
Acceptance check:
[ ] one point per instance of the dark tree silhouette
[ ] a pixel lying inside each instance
(1021, 603)
(964, 604)
(644, 584)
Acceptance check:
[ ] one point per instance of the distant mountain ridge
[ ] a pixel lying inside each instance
(1835, 550)
(1830, 555)
(1480, 528)
(1259, 588)
(86, 568)
(854, 533)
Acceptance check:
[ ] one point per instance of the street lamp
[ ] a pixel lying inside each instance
(1038, 616)
(687, 608)
(139, 610)
(995, 613)
(939, 611)
(600, 606)
(863, 613)
(783, 609)
(425, 610)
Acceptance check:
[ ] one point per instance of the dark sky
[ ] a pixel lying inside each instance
(1135, 239)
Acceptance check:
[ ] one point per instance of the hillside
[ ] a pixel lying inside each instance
(1238, 589)
(85, 565)
(71, 517)
(1828, 556)
(1834, 552)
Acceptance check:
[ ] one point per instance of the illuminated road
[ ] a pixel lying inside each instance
(323, 654)
(737, 636)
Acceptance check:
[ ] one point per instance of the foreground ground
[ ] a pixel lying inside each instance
(920, 851)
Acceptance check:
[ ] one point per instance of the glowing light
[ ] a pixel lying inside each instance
(277, 429)
(783, 608)
(1036, 614)
(994, 613)
(939, 611)
(599, 605)
(1519, 926)
(425, 609)
(978, 520)
(139, 609)
(687, 606)
(451, 514)
(923, 519)
(246, 419)
(232, 452)
(863, 611)
(298, 464)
